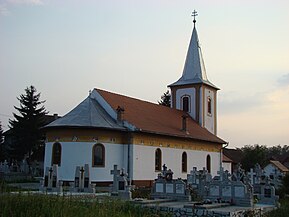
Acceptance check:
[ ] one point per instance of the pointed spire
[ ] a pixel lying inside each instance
(194, 69)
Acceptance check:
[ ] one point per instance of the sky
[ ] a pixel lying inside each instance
(136, 48)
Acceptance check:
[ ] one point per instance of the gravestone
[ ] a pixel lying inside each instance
(6, 168)
(77, 177)
(165, 187)
(235, 190)
(24, 167)
(51, 178)
(199, 180)
(81, 179)
(192, 178)
(115, 172)
(121, 186)
(267, 195)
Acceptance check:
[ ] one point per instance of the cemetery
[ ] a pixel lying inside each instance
(237, 194)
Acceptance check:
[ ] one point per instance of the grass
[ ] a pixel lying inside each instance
(59, 206)
(41, 205)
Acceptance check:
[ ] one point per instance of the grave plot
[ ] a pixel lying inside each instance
(165, 187)
(121, 187)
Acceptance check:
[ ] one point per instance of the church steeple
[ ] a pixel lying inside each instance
(193, 92)
(194, 69)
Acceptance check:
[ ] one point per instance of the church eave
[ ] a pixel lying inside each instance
(186, 136)
(84, 127)
(189, 83)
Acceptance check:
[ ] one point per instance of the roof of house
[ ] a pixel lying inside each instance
(283, 158)
(226, 159)
(89, 113)
(153, 118)
(235, 155)
(280, 166)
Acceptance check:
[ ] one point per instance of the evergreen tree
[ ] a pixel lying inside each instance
(1, 143)
(165, 99)
(27, 137)
(1, 134)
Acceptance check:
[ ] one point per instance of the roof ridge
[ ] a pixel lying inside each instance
(133, 98)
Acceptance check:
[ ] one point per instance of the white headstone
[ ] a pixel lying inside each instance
(180, 188)
(159, 187)
(214, 190)
(169, 188)
(239, 191)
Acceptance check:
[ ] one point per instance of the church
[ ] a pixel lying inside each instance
(108, 129)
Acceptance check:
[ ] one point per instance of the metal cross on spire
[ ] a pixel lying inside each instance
(194, 14)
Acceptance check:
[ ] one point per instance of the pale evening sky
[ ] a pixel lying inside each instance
(136, 48)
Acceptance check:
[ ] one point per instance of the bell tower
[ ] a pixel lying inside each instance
(193, 92)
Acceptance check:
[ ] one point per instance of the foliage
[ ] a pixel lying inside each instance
(27, 137)
(285, 186)
(252, 155)
(165, 99)
(282, 211)
(48, 205)
(141, 192)
(1, 143)
(1, 134)
(278, 150)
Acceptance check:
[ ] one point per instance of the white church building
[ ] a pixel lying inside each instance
(109, 128)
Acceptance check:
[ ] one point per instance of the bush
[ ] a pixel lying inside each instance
(282, 211)
(141, 192)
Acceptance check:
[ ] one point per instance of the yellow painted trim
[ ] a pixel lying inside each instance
(145, 139)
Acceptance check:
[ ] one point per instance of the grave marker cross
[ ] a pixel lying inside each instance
(115, 172)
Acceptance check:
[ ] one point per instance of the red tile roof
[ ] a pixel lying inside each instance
(158, 119)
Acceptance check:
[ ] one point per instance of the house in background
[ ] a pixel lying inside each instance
(231, 158)
(227, 163)
(275, 168)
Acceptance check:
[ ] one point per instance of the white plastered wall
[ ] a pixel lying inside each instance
(227, 166)
(209, 119)
(144, 161)
(188, 92)
(79, 153)
(270, 169)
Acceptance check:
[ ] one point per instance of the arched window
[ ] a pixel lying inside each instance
(158, 160)
(98, 155)
(184, 162)
(209, 163)
(186, 104)
(56, 154)
(209, 106)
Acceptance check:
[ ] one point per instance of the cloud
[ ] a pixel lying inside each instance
(3, 10)
(27, 2)
(284, 80)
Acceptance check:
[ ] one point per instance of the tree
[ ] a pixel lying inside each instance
(27, 137)
(1, 143)
(254, 154)
(285, 184)
(165, 99)
(1, 134)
